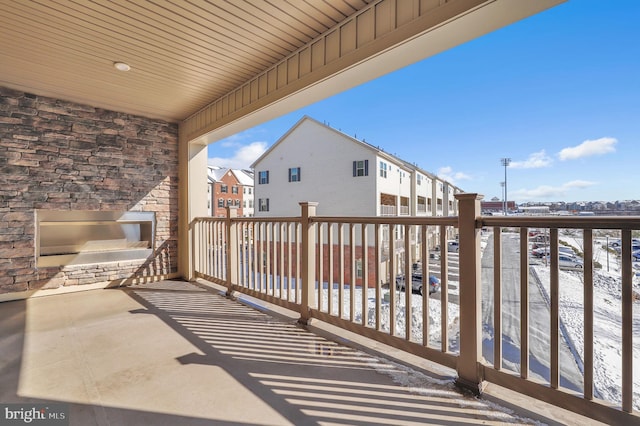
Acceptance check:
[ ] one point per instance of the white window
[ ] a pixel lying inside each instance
(361, 168)
(294, 174)
(383, 169)
(263, 204)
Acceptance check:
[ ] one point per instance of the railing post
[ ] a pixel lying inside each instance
(307, 259)
(193, 234)
(231, 249)
(470, 372)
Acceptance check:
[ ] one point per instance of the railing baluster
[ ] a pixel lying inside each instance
(263, 250)
(341, 270)
(299, 261)
(281, 274)
(196, 246)
(273, 259)
(588, 314)
(497, 297)
(320, 265)
(377, 275)
(270, 251)
(408, 282)
(273, 273)
(444, 290)
(554, 295)
(239, 254)
(627, 323)
(524, 303)
(290, 232)
(365, 274)
(392, 280)
(255, 253)
(204, 243)
(352, 279)
(215, 250)
(426, 283)
(330, 274)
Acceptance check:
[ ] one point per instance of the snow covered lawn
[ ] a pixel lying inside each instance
(607, 322)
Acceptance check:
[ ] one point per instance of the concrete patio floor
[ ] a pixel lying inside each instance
(178, 353)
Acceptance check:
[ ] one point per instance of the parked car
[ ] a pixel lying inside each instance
(636, 256)
(540, 238)
(618, 243)
(542, 251)
(416, 283)
(568, 262)
(453, 246)
(634, 247)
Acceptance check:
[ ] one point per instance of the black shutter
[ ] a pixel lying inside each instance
(289, 175)
(366, 167)
(355, 168)
(299, 174)
(267, 177)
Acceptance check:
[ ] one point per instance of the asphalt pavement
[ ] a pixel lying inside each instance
(539, 319)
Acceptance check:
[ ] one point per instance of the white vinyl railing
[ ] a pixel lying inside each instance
(343, 270)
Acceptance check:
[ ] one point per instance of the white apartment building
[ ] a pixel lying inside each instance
(346, 176)
(245, 177)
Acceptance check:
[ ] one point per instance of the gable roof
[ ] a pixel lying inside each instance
(217, 173)
(245, 177)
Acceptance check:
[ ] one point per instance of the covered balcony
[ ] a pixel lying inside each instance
(106, 110)
(498, 318)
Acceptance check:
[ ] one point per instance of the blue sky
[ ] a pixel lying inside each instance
(558, 93)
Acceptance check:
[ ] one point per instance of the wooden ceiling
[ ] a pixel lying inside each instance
(210, 64)
(183, 53)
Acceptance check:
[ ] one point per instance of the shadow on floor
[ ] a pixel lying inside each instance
(252, 365)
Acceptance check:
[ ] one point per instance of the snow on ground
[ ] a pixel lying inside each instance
(607, 317)
(607, 320)
(434, 306)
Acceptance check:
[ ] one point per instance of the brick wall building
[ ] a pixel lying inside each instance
(225, 190)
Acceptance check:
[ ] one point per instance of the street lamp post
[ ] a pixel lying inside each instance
(505, 162)
(504, 206)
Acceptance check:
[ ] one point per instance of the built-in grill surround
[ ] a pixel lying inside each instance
(92, 237)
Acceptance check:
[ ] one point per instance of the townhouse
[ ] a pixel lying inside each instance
(346, 176)
(229, 187)
(350, 178)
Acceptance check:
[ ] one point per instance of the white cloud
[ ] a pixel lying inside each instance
(547, 192)
(578, 184)
(589, 148)
(446, 173)
(535, 161)
(242, 158)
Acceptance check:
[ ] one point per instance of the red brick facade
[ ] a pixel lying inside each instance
(227, 191)
(280, 266)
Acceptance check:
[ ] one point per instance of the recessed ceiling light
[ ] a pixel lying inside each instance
(121, 66)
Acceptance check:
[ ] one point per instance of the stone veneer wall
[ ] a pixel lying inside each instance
(59, 155)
